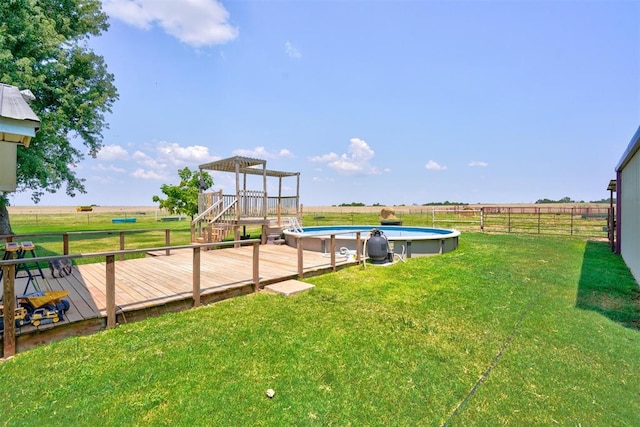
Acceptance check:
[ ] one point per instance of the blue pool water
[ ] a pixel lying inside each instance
(392, 232)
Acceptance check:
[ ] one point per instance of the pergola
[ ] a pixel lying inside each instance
(250, 166)
(254, 204)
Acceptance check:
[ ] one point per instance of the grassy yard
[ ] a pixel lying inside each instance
(506, 330)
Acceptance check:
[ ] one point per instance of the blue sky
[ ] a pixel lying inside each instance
(390, 102)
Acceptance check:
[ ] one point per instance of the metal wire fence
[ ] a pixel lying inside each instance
(588, 221)
(574, 221)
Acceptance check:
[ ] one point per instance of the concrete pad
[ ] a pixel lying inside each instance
(288, 287)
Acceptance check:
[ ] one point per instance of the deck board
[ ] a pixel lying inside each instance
(147, 284)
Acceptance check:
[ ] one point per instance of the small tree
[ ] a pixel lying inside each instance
(182, 199)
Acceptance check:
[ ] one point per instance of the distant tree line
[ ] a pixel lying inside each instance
(563, 200)
(352, 204)
(448, 203)
(445, 203)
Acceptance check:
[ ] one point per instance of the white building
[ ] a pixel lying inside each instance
(628, 206)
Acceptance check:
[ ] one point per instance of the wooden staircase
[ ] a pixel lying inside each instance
(215, 223)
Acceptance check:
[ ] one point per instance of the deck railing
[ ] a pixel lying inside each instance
(252, 203)
(285, 206)
(9, 271)
(332, 248)
(67, 237)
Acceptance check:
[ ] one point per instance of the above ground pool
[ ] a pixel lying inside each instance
(407, 241)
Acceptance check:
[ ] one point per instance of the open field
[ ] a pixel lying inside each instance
(36, 209)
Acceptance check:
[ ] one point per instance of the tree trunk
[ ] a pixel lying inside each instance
(5, 225)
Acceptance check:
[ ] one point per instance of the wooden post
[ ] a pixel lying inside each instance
(332, 247)
(256, 266)
(300, 258)
(571, 225)
(111, 291)
(196, 276)
(9, 297)
(65, 243)
(122, 245)
(167, 240)
(279, 213)
(358, 248)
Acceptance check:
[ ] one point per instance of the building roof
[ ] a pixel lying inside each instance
(13, 104)
(18, 122)
(247, 165)
(631, 150)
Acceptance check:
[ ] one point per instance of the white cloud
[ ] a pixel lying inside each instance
(355, 161)
(102, 179)
(431, 165)
(112, 152)
(149, 174)
(145, 160)
(164, 160)
(292, 51)
(194, 22)
(478, 164)
(285, 153)
(178, 155)
(110, 168)
(324, 158)
(262, 153)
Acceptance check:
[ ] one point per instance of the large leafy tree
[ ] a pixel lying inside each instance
(43, 48)
(182, 199)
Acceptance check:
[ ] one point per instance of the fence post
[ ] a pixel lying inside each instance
(65, 243)
(538, 209)
(358, 248)
(256, 267)
(9, 296)
(332, 247)
(122, 245)
(111, 291)
(508, 220)
(482, 219)
(167, 240)
(572, 211)
(300, 259)
(196, 276)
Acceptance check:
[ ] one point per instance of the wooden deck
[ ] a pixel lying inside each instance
(157, 284)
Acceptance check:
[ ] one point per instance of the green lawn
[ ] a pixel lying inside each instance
(508, 329)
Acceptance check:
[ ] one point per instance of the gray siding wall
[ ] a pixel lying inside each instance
(630, 215)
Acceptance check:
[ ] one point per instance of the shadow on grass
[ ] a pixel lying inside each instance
(607, 286)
